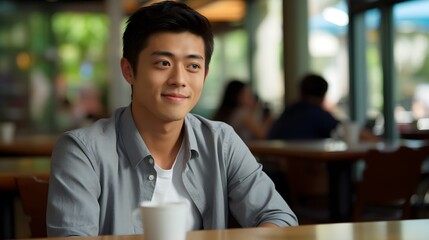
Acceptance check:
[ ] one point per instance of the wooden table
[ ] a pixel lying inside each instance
(394, 230)
(339, 158)
(13, 167)
(326, 150)
(29, 146)
(415, 134)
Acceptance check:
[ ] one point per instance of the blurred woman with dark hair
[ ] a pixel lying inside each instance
(240, 108)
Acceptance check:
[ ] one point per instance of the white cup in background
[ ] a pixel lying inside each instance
(163, 221)
(351, 132)
(7, 131)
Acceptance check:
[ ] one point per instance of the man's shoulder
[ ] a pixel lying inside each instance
(200, 123)
(99, 128)
(100, 133)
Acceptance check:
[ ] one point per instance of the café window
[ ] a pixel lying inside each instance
(389, 77)
(374, 79)
(411, 55)
(328, 51)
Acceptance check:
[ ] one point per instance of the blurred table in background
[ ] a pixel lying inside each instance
(339, 158)
(29, 146)
(415, 134)
(326, 150)
(13, 167)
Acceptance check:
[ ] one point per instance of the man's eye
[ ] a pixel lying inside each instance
(163, 64)
(194, 66)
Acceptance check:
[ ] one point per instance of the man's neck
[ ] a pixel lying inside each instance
(163, 139)
(164, 147)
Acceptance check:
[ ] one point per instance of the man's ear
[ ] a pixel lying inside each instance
(127, 71)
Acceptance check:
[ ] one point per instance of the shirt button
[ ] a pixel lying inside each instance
(151, 177)
(150, 160)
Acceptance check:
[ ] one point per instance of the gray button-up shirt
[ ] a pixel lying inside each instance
(100, 174)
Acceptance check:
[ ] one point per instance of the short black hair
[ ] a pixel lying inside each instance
(313, 85)
(167, 16)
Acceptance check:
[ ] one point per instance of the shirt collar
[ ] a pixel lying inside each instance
(189, 131)
(134, 146)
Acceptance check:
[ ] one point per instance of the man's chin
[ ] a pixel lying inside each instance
(173, 117)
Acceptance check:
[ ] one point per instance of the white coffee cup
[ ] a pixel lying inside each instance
(163, 220)
(7, 131)
(351, 132)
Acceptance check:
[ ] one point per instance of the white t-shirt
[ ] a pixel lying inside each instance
(169, 187)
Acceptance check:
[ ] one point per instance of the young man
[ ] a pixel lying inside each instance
(154, 149)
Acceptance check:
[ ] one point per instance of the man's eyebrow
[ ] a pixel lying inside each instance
(162, 53)
(195, 56)
(169, 54)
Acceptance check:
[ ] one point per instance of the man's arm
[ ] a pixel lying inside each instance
(74, 188)
(268, 225)
(253, 199)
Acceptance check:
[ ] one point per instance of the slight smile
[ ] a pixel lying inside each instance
(175, 97)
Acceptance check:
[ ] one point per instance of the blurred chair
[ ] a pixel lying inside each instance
(33, 192)
(421, 202)
(389, 180)
(309, 191)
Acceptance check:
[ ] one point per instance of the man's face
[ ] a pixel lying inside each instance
(169, 77)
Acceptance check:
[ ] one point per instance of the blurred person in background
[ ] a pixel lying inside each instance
(307, 118)
(242, 109)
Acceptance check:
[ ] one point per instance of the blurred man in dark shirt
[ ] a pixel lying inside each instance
(306, 119)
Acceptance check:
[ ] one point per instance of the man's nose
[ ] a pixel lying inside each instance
(178, 75)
